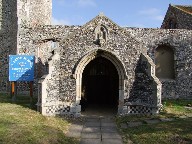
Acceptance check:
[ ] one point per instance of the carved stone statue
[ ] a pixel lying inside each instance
(100, 35)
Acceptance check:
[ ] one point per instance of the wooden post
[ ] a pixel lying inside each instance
(31, 92)
(13, 91)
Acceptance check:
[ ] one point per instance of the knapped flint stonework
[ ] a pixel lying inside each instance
(8, 39)
(181, 42)
(63, 52)
(34, 12)
(41, 41)
(81, 45)
(14, 15)
(179, 17)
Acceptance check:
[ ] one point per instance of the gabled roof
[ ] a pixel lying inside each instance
(86, 33)
(185, 8)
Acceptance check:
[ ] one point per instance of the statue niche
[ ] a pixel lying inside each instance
(101, 33)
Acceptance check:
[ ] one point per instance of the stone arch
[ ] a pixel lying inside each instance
(172, 24)
(115, 61)
(164, 60)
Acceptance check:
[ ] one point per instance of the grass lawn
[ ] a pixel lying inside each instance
(21, 125)
(176, 131)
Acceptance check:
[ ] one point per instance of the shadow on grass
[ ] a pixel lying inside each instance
(178, 130)
(176, 102)
(23, 100)
(19, 124)
(20, 133)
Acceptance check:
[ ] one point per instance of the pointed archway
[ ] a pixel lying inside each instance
(100, 83)
(91, 61)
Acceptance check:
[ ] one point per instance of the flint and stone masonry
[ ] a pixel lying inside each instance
(69, 57)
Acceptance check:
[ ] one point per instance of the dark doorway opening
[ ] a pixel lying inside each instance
(100, 85)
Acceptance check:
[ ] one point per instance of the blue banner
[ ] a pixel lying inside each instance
(21, 67)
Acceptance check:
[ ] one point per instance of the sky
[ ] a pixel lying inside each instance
(126, 13)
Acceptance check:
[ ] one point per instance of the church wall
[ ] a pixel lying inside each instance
(181, 42)
(81, 43)
(14, 15)
(40, 41)
(34, 12)
(25, 29)
(180, 19)
(74, 42)
(8, 38)
(137, 88)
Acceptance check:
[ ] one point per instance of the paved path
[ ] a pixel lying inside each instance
(97, 130)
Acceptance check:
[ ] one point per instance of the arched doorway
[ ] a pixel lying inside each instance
(100, 85)
(108, 57)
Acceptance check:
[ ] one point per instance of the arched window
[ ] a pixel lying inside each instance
(172, 24)
(164, 60)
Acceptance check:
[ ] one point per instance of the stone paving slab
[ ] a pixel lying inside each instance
(112, 141)
(92, 124)
(189, 115)
(96, 131)
(134, 124)
(90, 141)
(91, 135)
(91, 129)
(74, 134)
(166, 119)
(104, 120)
(190, 108)
(93, 120)
(111, 136)
(123, 126)
(108, 124)
(98, 141)
(152, 121)
(108, 129)
(75, 131)
(183, 117)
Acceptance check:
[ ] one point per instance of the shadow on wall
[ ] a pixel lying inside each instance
(22, 93)
(40, 69)
(141, 91)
